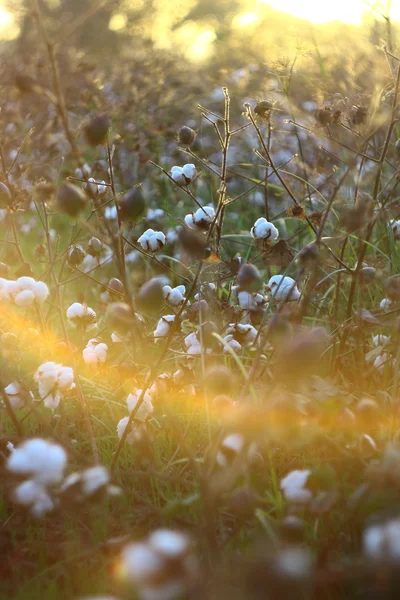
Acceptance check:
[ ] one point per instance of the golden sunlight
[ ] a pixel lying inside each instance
(345, 11)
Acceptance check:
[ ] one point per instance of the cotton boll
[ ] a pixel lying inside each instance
(232, 343)
(183, 175)
(80, 315)
(146, 407)
(293, 487)
(25, 283)
(14, 394)
(189, 172)
(386, 304)
(94, 479)
(171, 544)
(189, 220)
(152, 241)
(24, 298)
(229, 449)
(382, 541)
(76, 310)
(65, 378)
(264, 230)
(202, 218)
(140, 562)
(283, 288)
(41, 291)
(95, 352)
(175, 296)
(250, 301)
(163, 326)
(45, 461)
(30, 493)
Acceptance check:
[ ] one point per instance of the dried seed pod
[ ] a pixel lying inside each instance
(96, 130)
(116, 285)
(132, 205)
(94, 246)
(120, 316)
(324, 116)
(193, 242)
(75, 255)
(70, 199)
(186, 135)
(249, 278)
(263, 108)
(150, 297)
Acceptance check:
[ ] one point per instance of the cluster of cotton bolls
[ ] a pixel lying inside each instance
(24, 291)
(95, 352)
(161, 566)
(174, 296)
(54, 382)
(42, 464)
(81, 316)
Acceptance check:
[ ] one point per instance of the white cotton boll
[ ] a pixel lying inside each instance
(24, 298)
(42, 505)
(382, 362)
(189, 172)
(94, 478)
(13, 391)
(25, 283)
(192, 343)
(163, 326)
(154, 214)
(76, 310)
(189, 220)
(95, 352)
(45, 461)
(52, 400)
(232, 343)
(136, 431)
(174, 296)
(231, 446)
(10, 447)
(246, 333)
(90, 187)
(283, 288)
(4, 290)
(140, 562)
(27, 492)
(249, 301)
(146, 407)
(386, 305)
(382, 541)
(169, 543)
(380, 340)
(264, 230)
(47, 373)
(152, 241)
(395, 225)
(65, 378)
(41, 291)
(293, 487)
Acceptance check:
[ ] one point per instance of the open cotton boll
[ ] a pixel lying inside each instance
(264, 230)
(232, 343)
(382, 541)
(41, 291)
(250, 301)
(283, 288)
(163, 326)
(14, 393)
(243, 333)
(44, 461)
(174, 296)
(192, 343)
(183, 175)
(24, 298)
(385, 304)
(80, 315)
(140, 562)
(169, 543)
(95, 352)
(25, 283)
(202, 218)
(146, 407)
(380, 340)
(30, 493)
(293, 487)
(152, 241)
(4, 290)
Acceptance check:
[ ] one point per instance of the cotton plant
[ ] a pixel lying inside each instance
(24, 291)
(185, 175)
(283, 288)
(264, 230)
(161, 566)
(81, 316)
(42, 465)
(232, 446)
(95, 352)
(152, 241)
(54, 382)
(174, 296)
(201, 219)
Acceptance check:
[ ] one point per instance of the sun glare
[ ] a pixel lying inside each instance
(346, 11)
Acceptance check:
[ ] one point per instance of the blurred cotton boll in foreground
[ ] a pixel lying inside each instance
(382, 541)
(161, 567)
(294, 487)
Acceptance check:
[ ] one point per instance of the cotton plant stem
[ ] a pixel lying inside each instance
(153, 373)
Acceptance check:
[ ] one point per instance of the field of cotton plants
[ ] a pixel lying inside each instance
(199, 318)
